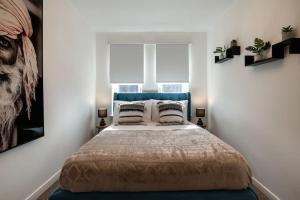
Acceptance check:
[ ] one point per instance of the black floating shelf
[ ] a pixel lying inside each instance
(230, 53)
(277, 52)
(250, 59)
(217, 60)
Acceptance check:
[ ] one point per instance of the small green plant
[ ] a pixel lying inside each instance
(259, 46)
(220, 50)
(287, 29)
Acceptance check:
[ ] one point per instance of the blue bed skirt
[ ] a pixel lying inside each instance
(247, 194)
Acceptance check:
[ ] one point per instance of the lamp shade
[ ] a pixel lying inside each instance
(200, 112)
(102, 112)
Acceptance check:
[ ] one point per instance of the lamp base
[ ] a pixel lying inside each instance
(200, 122)
(102, 122)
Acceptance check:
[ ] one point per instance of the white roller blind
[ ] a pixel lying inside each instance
(126, 63)
(172, 63)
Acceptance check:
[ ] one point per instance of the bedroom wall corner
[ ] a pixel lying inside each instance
(69, 103)
(256, 109)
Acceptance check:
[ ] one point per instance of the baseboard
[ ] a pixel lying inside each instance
(41, 189)
(264, 189)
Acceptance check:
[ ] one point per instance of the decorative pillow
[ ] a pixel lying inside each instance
(147, 111)
(131, 113)
(170, 112)
(155, 111)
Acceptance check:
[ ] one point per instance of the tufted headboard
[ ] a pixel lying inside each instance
(157, 96)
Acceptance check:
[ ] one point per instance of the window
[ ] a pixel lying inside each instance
(127, 88)
(126, 63)
(172, 63)
(173, 87)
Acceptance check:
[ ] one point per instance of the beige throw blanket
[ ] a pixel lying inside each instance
(148, 160)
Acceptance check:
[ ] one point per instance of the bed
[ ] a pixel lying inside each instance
(155, 162)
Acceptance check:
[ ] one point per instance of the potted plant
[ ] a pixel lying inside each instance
(221, 52)
(233, 43)
(287, 32)
(259, 48)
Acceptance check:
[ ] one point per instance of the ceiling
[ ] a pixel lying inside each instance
(151, 15)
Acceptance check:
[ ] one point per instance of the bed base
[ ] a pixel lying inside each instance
(246, 194)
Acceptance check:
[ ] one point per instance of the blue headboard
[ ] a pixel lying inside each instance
(157, 96)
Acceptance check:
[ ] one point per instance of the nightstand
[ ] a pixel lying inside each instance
(204, 126)
(100, 128)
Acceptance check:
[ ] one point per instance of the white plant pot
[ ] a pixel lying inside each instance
(221, 56)
(287, 35)
(259, 57)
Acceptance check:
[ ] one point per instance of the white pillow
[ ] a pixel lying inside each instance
(147, 113)
(155, 111)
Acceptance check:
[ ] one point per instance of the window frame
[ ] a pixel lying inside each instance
(116, 87)
(184, 87)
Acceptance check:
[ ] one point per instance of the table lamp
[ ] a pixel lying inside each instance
(102, 113)
(200, 112)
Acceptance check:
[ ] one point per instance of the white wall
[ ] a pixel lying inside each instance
(198, 60)
(256, 109)
(69, 93)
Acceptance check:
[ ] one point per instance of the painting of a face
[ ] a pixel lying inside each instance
(21, 85)
(11, 61)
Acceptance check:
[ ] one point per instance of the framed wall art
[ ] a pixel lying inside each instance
(21, 72)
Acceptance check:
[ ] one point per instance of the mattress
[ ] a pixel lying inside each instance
(155, 158)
